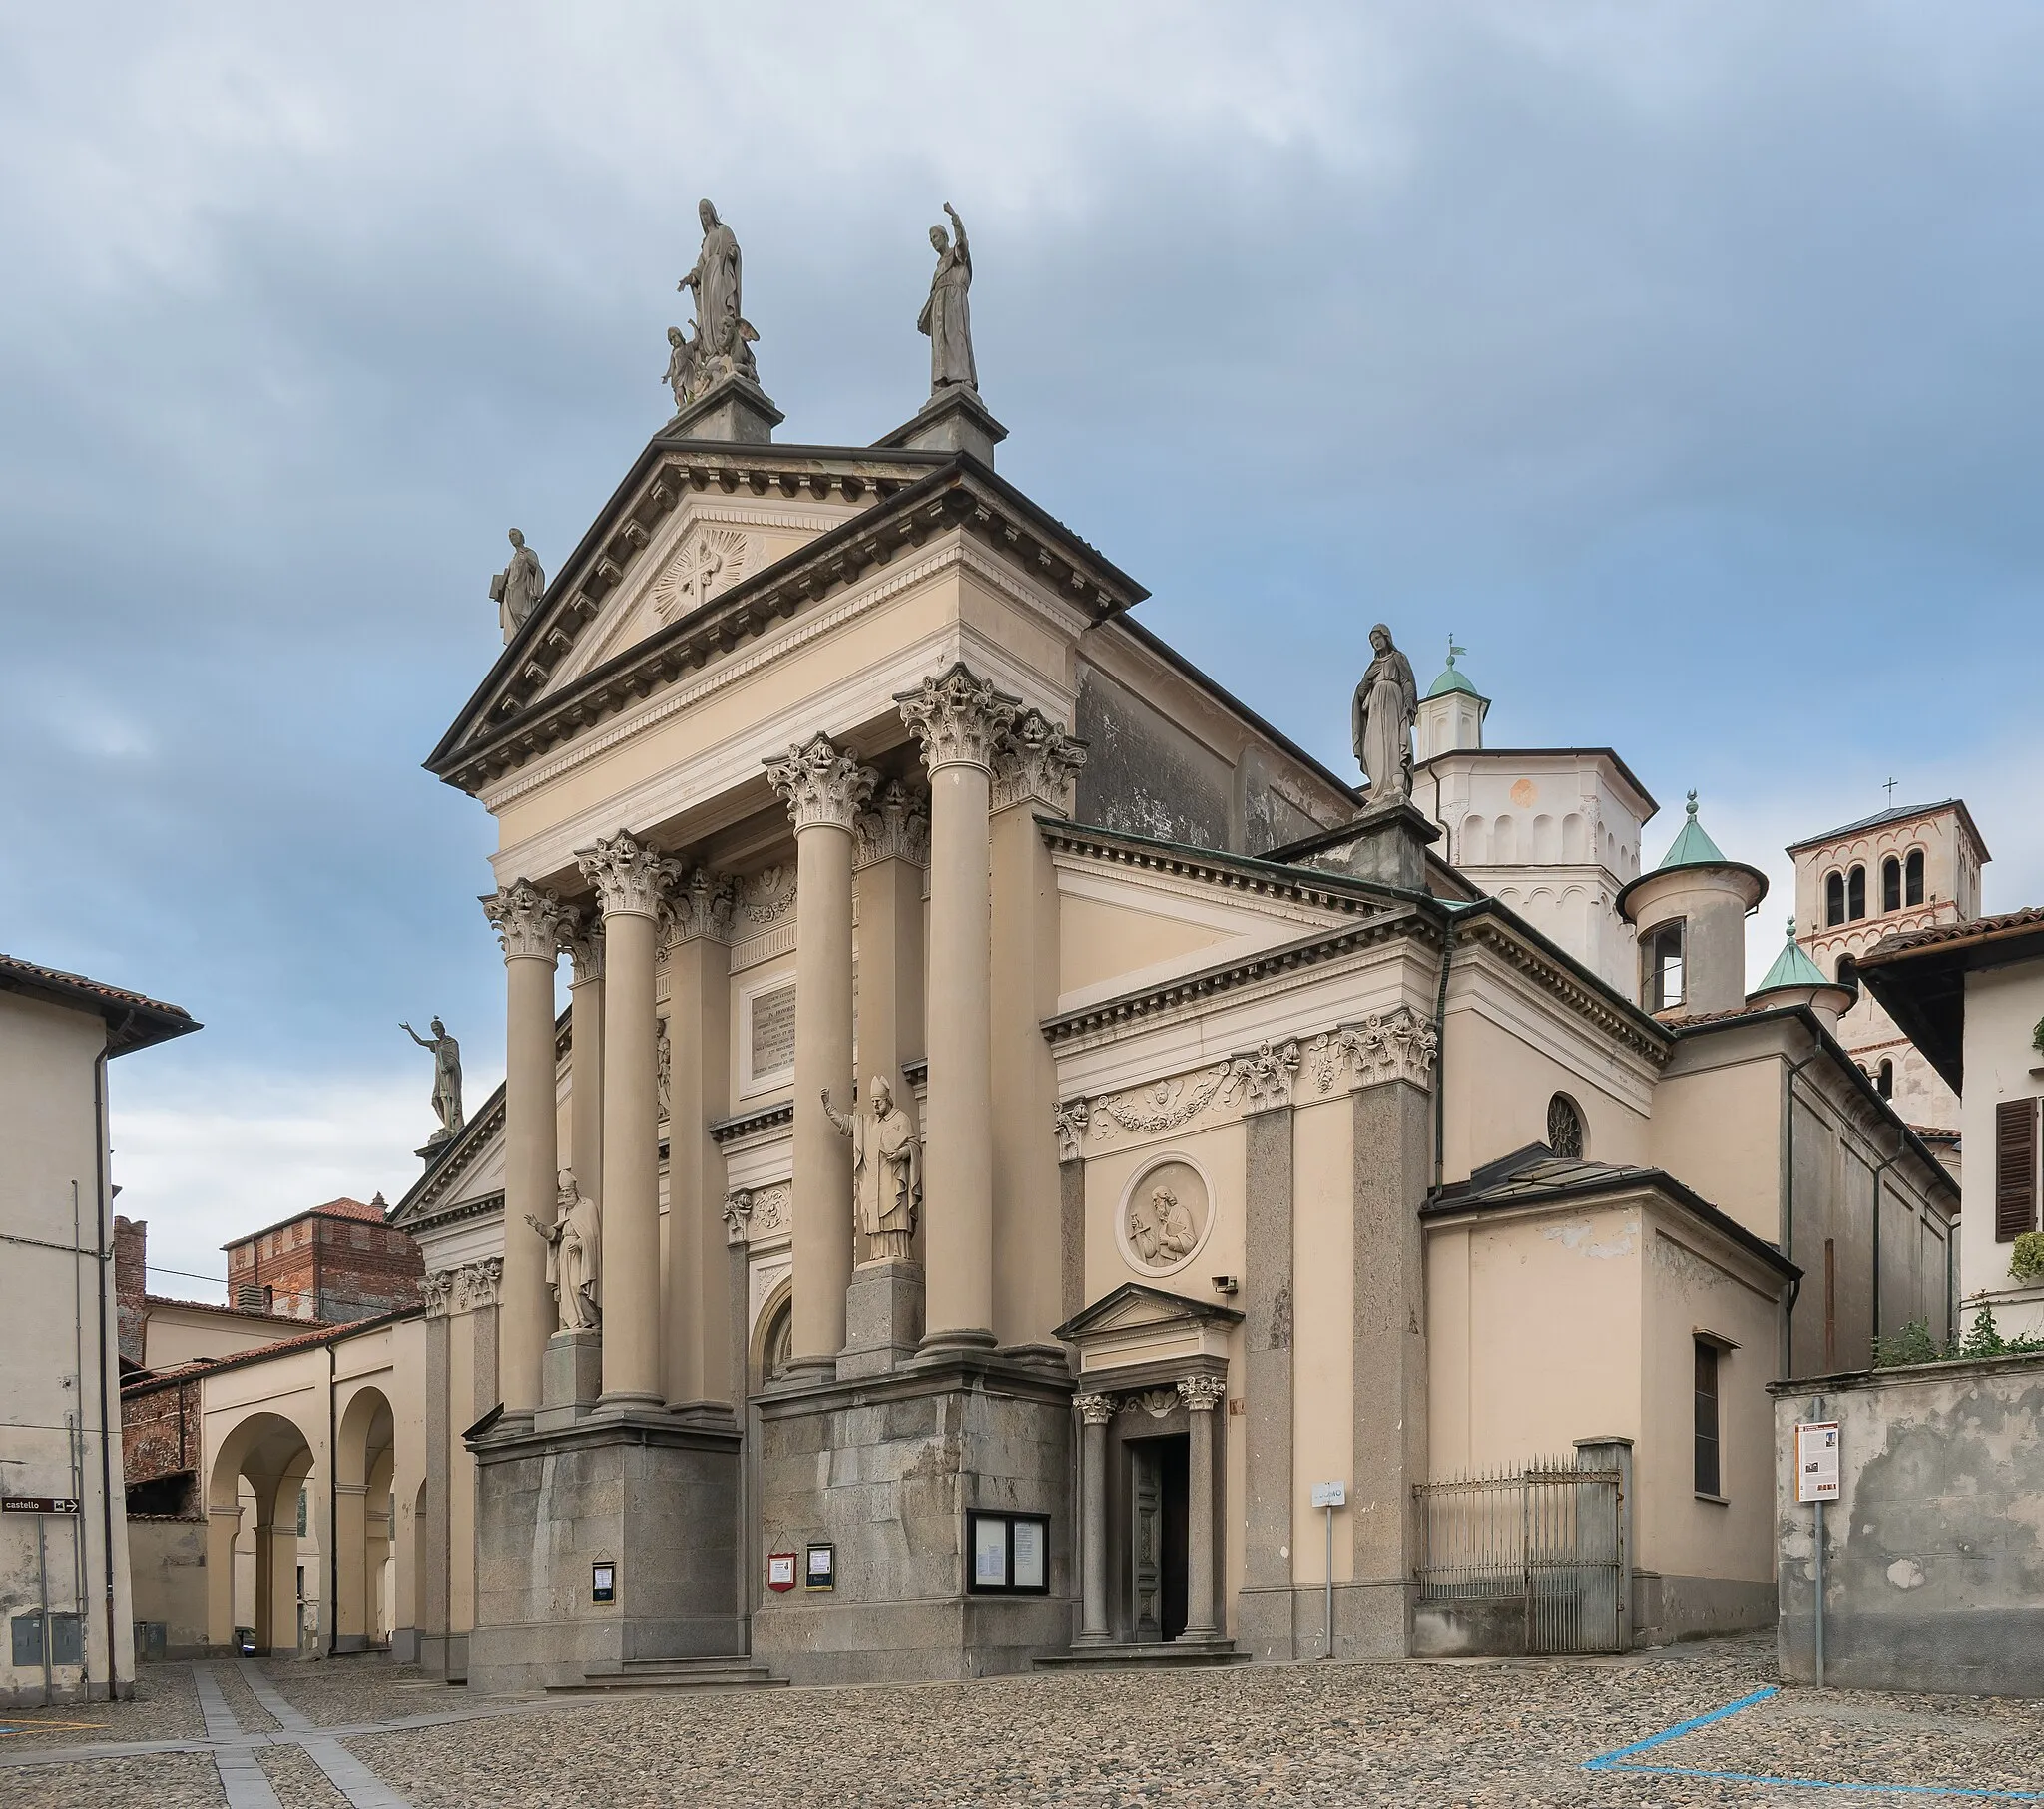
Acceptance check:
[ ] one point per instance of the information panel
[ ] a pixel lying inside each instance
(1816, 1461)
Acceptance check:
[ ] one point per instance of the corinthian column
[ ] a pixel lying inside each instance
(960, 721)
(530, 924)
(1202, 1395)
(585, 1093)
(630, 878)
(823, 789)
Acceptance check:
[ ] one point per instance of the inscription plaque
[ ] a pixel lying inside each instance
(772, 1032)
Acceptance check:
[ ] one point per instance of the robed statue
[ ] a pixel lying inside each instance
(1160, 1228)
(723, 345)
(947, 315)
(886, 1172)
(1386, 706)
(683, 367)
(446, 1078)
(574, 1254)
(517, 588)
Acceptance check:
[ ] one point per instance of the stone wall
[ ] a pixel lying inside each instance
(1935, 1550)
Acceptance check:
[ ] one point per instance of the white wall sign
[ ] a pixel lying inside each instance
(1816, 1461)
(1330, 1495)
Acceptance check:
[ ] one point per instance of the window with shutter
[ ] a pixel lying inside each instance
(2015, 1169)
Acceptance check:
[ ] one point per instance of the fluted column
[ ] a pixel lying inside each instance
(629, 878)
(1095, 1411)
(585, 1092)
(530, 924)
(823, 789)
(1202, 1395)
(960, 721)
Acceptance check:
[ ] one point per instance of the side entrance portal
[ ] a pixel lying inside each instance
(1159, 1472)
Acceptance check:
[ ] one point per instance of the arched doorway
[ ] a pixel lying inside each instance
(363, 1471)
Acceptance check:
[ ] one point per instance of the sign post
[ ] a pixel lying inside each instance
(1330, 1495)
(1817, 1482)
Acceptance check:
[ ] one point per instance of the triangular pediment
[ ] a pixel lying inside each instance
(1133, 1307)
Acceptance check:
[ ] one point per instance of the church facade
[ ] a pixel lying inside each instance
(1008, 1127)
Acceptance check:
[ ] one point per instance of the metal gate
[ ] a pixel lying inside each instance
(1545, 1538)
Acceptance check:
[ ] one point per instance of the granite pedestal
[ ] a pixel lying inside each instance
(886, 1469)
(654, 1494)
(883, 1318)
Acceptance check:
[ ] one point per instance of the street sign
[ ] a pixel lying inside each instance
(1330, 1495)
(38, 1504)
(1816, 1461)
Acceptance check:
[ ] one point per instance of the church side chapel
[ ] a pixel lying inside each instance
(1014, 1130)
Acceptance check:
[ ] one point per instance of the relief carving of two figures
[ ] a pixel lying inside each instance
(886, 1172)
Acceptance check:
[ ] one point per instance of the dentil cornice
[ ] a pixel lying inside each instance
(959, 718)
(528, 921)
(820, 786)
(629, 877)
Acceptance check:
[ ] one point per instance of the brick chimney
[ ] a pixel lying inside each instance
(131, 1265)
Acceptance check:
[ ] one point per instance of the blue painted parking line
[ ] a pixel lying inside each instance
(1615, 1760)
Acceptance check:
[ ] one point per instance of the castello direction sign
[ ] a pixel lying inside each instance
(37, 1504)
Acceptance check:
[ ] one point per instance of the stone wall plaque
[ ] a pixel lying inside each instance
(770, 1035)
(1164, 1217)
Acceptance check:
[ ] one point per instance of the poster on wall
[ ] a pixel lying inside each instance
(781, 1571)
(1816, 1461)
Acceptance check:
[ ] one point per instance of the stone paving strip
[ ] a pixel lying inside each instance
(1491, 1733)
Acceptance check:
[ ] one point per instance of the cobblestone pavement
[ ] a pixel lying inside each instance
(1321, 1734)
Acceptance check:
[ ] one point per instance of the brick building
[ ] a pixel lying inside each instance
(332, 1264)
(157, 1333)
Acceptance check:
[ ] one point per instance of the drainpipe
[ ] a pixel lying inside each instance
(1440, 1038)
(332, 1482)
(1788, 1202)
(99, 1118)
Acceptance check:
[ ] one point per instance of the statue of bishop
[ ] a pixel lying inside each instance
(886, 1172)
(574, 1254)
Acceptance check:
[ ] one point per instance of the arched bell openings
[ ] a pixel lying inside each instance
(1890, 885)
(1834, 900)
(1855, 894)
(1912, 878)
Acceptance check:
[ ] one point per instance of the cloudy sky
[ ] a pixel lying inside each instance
(1685, 360)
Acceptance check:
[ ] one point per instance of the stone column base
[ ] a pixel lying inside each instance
(570, 1379)
(887, 1470)
(652, 1494)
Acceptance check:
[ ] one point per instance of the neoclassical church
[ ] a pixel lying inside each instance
(994, 1132)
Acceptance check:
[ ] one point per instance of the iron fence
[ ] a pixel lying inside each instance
(1546, 1535)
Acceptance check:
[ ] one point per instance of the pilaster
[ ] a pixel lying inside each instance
(1264, 1618)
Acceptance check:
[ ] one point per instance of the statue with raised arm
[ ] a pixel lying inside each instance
(1386, 706)
(446, 1078)
(517, 588)
(886, 1172)
(723, 337)
(947, 315)
(574, 1254)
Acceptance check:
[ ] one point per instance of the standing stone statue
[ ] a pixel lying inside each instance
(683, 367)
(947, 315)
(724, 340)
(1386, 706)
(517, 588)
(446, 1079)
(574, 1254)
(886, 1172)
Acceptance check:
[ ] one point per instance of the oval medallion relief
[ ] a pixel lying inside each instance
(1166, 1214)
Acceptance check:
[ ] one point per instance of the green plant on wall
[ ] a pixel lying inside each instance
(2026, 1258)
(2037, 1037)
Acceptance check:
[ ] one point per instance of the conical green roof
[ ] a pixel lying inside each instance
(1793, 967)
(1452, 679)
(1691, 848)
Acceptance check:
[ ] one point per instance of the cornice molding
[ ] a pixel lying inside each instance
(1493, 934)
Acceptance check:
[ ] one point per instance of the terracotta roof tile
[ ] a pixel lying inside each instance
(133, 1018)
(2029, 917)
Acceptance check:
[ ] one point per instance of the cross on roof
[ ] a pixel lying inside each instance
(1889, 788)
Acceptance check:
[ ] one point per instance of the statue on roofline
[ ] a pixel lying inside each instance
(446, 1079)
(517, 588)
(947, 315)
(722, 346)
(1386, 706)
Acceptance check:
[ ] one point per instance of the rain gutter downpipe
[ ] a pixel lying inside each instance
(99, 1118)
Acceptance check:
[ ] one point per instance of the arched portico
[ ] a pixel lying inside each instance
(258, 1466)
(364, 1469)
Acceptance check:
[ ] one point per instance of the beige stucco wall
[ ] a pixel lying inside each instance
(2003, 1005)
(177, 1333)
(50, 1305)
(1718, 1129)
(166, 1559)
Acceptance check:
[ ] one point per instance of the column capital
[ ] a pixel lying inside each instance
(1398, 1045)
(738, 1216)
(897, 827)
(1202, 1393)
(1095, 1410)
(820, 784)
(1069, 1119)
(529, 922)
(584, 950)
(436, 1290)
(959, 718)
(1036, 764)
(703, 904)
(630, 876)
(1263, 1077)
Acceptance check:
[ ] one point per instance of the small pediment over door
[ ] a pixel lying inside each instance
(1135, 1327)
